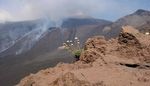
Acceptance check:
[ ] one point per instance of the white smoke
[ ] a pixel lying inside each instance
(57, 10)
(4, 16)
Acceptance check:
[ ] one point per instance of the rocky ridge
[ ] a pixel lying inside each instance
(123, 61)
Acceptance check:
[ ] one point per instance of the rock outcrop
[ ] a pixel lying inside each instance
(124, 61)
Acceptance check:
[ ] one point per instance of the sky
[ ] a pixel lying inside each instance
(56, 10)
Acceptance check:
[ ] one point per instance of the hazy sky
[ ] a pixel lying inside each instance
(18, 10)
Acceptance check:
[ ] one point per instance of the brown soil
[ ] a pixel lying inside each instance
(124, 61)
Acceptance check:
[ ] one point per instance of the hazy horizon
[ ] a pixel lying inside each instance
(20, 10)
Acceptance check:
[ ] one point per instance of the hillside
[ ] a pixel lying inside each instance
(83, 28)
(123, 61)
(139, 19)
(30, 46)
(38, 49)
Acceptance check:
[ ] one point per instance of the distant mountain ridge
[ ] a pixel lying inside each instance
(41, 52)
(139, 19)
(71, 27)
(77, 22)
(142, 12)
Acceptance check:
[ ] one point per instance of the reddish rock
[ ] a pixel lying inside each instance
(124, 61)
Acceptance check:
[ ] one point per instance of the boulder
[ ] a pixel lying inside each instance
(94, 48)
(128, 36)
